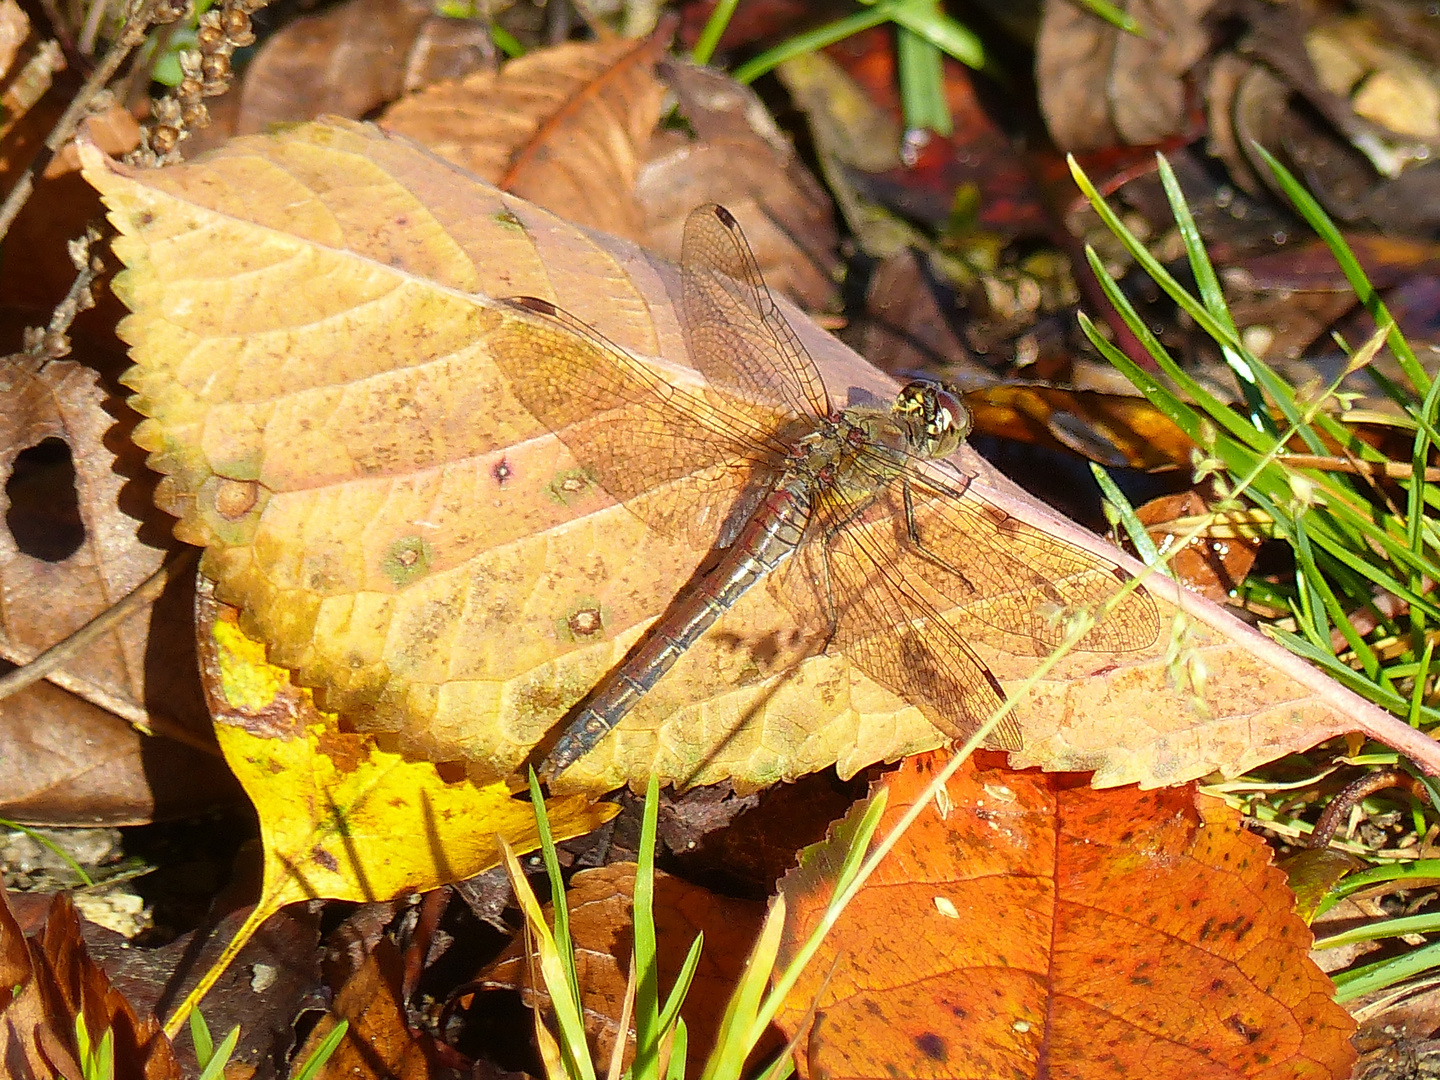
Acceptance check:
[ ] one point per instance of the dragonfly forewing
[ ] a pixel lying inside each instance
(670, 456)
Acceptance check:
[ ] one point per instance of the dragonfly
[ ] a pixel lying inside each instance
(843, 512)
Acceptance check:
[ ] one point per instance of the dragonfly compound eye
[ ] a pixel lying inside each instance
(937, 417)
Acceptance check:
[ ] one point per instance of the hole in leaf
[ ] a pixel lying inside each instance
(44, 514)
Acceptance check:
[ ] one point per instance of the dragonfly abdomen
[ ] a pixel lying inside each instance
(767, 540)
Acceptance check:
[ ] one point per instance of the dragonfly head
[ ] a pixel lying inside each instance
(935, 417)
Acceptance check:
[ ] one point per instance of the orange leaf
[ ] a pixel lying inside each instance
(379, 1044)
(1062, 929)
(1113, 429)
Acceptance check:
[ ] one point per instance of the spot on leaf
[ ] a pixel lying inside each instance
(407, 560)
(571, 486)
(236, 498)
(584, 621)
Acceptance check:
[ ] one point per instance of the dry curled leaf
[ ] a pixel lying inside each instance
(1116, 932)
(576, 129)
(1100, 85)
(1116, 430)
(49, 982)
(353, 58)
(738, 157)
(565, 127)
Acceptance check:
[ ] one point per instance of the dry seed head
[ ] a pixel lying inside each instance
(215, 68)
(208, 35)
(164, 138)
(167, 11)
(236, 24)
(196, 114)
(1203, 465)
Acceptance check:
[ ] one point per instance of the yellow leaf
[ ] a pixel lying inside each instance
(341, 817)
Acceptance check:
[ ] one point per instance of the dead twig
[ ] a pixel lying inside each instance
(130, 37)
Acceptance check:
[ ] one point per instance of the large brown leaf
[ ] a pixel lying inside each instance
(567, 126)
(313, 319)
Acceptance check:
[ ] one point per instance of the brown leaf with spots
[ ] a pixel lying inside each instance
(1064, 930)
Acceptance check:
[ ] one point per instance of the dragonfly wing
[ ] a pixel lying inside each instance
(1009, 574)
(677, 461)
(738, 338)
(887, 628)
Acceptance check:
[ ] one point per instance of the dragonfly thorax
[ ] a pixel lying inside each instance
(934, 417)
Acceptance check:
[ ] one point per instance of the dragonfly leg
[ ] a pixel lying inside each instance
(912, 533)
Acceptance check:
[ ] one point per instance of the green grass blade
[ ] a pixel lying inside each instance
(215, 1067)
(1187, 416)
(1421, 675)
(922, 86)
(1211, 295)
(321, 1054)
(671, 1013)
(734, 1040)
(1114, 16)
(1125, 514)
(927, 19)
(1376, 931)
(1316, 217)
(679, 1047)
(647, 987)
(200, 1036)
(506, 42)
(555, 969)
(1369, 978)
(714, 30)
(814, 40)
(45, 841)
(559, 910)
